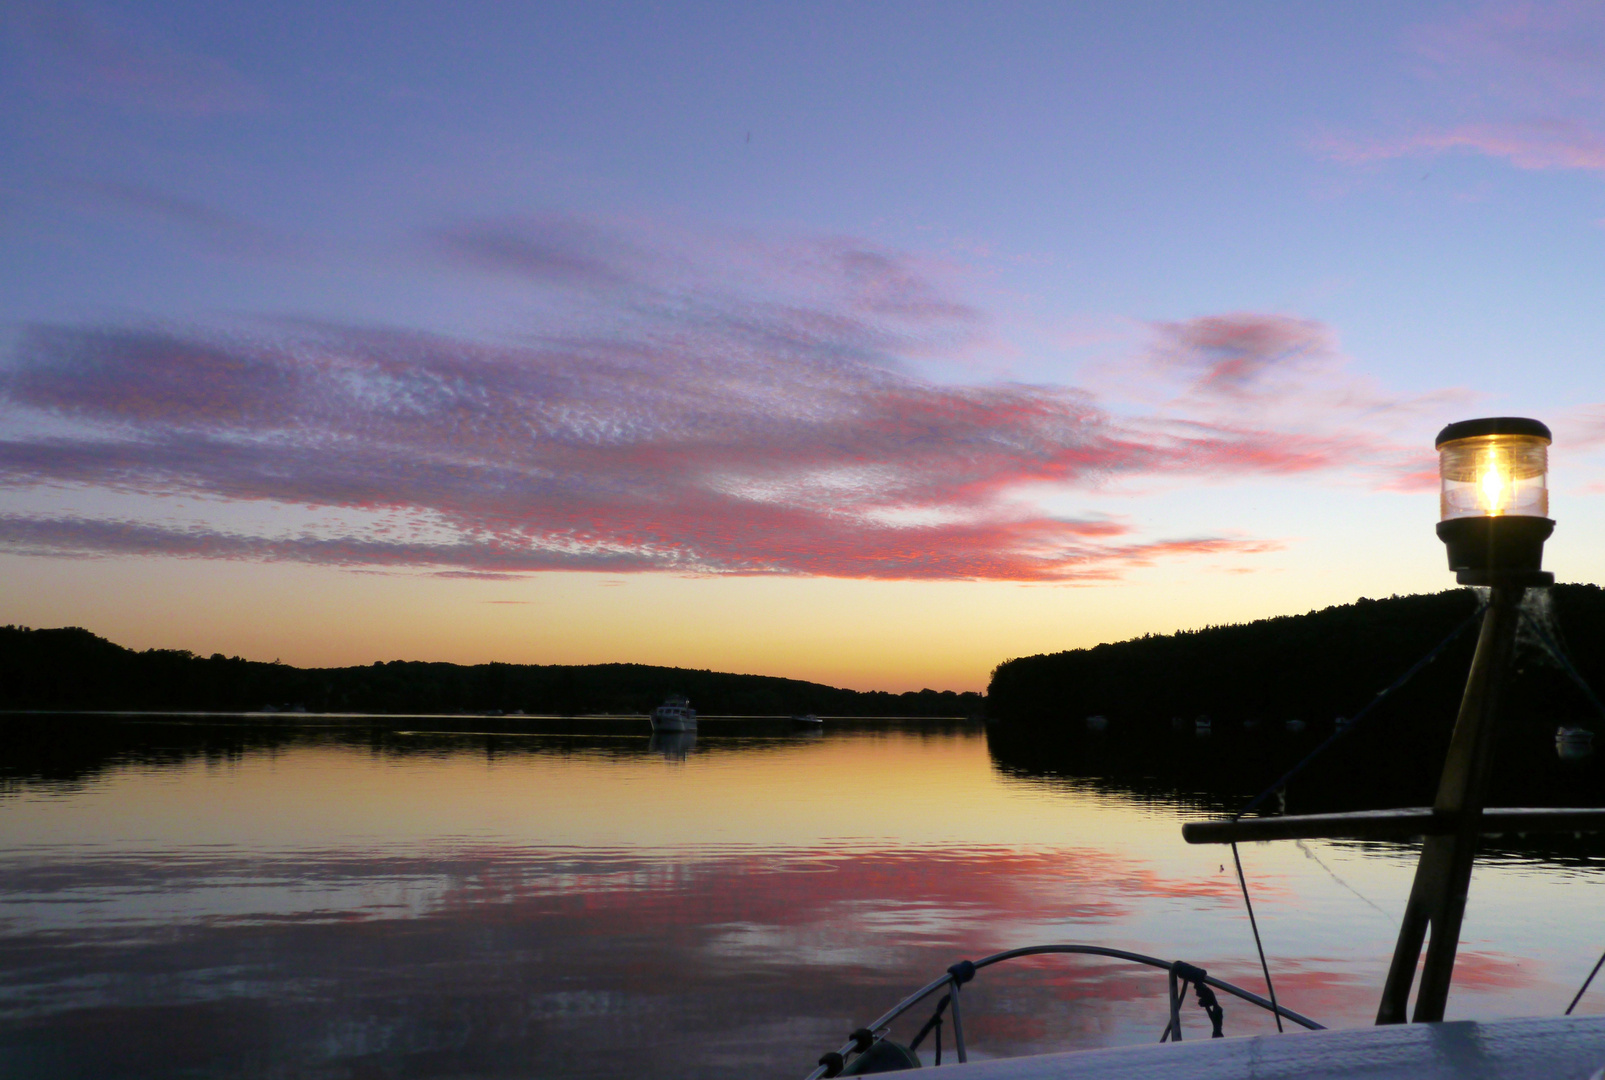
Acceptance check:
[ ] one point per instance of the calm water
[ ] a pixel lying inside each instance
(581, 900)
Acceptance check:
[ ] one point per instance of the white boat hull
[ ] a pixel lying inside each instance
(1561, 1046)
(674, 723)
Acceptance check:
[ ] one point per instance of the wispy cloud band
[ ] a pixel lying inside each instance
(762, 417)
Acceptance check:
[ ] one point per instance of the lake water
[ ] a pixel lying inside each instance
(179, 897)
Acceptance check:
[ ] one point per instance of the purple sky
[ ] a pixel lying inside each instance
(1087, 321)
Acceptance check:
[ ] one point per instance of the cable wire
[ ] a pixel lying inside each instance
(1254, 925)
(1584, 988)
(1564, 661)
(1242, 880)
(1282, 782)
(1566, 665)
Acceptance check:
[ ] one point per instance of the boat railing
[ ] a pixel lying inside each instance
(1181, 975)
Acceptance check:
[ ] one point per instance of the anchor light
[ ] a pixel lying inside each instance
(1494, 499)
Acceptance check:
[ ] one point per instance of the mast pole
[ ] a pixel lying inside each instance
(1443, 875)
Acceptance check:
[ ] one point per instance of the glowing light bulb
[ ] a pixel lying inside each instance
(1493, 487)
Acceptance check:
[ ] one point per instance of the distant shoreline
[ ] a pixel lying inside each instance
(293, 718)
(70, 669)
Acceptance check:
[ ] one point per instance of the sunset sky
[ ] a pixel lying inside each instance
(867, 343)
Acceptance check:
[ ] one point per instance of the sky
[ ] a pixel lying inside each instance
(872, 344)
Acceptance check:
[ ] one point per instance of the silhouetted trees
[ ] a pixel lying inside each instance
(72, 668)
(1251, 679)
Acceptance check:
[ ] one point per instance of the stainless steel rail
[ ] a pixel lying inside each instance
(885, 1019)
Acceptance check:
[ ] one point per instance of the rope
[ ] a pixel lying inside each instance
(1584, 988)
(1281, 783)
(1212, 1008)
(1195, 976)
(1565, 663)
(1263, 966)
(1254, 803)
(934, 1023)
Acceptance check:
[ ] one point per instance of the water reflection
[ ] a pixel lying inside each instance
(673, 745)
(590, 900)
(1374, 768)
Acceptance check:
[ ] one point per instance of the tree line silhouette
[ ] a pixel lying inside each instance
(1250, 680)
(73, 669)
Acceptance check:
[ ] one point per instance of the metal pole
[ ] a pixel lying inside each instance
(1174, 1030)
(1443, 875)
(958, 1026)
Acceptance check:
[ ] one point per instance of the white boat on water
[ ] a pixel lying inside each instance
(806, 718)
(675, 714)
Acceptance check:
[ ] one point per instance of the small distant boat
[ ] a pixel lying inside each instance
(1295, 726)
(1203, 725)
(1573, 734)
(1342, 722)
(1097, 723)
(806, 718)
(675, 714)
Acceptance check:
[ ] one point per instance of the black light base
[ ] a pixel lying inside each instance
(1506, 550)
(1505, 579)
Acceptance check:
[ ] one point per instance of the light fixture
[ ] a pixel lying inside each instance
(1494, 500)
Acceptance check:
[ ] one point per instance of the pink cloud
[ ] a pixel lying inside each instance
(1581, 428)
(756, 416)
(1273, 393)
(1531, 144)
(1241, 353)
(1523, 82)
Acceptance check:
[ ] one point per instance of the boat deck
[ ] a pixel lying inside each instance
(1552, 1048)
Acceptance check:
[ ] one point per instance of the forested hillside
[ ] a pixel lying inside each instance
(1313, 667)
(72, 668)
(1251, 680)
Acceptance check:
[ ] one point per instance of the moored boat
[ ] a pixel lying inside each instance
(675, 714)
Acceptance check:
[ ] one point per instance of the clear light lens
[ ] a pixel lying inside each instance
(1490, 475)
